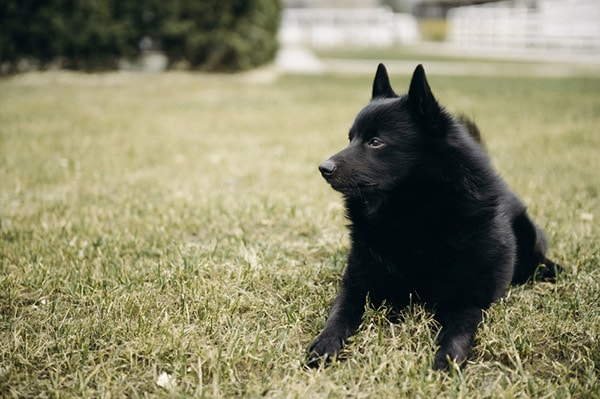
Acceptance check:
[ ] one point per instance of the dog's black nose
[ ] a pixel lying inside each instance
(327, 168)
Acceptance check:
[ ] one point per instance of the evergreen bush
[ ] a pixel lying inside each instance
(226, 35)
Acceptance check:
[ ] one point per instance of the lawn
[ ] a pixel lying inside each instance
(170, 235)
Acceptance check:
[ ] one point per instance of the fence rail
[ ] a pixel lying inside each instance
(569, 25)
(354, 26)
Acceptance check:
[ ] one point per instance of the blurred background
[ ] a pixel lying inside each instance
(298, 35)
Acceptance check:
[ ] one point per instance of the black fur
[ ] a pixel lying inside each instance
(430, 219)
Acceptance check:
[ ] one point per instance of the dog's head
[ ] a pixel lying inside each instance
(388, 139)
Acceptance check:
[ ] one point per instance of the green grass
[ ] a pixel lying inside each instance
(410, 53)
(433, 29)
(177, 224)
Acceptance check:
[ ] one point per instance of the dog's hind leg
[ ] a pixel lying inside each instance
(456, 336)
(531, 253)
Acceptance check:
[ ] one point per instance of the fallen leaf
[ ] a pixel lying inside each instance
(166, 381)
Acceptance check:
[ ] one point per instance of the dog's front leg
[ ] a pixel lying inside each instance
(456, 337)
(344, 318)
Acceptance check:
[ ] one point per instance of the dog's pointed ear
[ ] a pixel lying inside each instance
(419, 94)
(381, 84)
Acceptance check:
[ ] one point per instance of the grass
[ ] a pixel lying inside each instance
(177, 224)
(433, 29)
(412, 53)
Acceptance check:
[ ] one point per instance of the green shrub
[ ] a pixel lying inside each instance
(84, 34)
(222, 35)
(94, 34)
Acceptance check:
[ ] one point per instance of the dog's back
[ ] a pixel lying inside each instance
(471, 127)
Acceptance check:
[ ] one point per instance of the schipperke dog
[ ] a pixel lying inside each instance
(430, 221)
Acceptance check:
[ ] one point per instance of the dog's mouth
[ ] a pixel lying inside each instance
(344, 184)
(350, 187)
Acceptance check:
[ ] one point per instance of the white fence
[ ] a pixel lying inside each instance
(352, 26)
(555, 24)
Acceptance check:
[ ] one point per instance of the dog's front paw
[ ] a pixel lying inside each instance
(323, 349)
(441, 361)
(444, 358)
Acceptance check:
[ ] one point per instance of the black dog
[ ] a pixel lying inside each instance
(430, 219)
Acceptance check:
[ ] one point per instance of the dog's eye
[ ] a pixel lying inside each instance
(375, 143)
